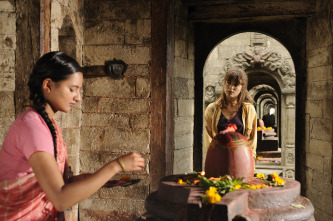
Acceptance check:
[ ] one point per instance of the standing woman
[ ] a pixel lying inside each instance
(33, 157)
(233, 107)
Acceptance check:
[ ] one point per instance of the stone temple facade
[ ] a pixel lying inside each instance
(156, 109)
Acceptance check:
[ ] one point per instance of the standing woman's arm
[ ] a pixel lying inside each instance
(64, 196)
(251, 127)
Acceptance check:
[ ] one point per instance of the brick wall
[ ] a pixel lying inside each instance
(319, 113)
(7, 64)
(115, 117)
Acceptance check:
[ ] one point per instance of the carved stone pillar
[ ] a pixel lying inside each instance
(288, 135)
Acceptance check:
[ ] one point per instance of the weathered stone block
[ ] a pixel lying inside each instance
(319, 90)
(103, 120)
(116, 209)
(327, 166)
(70, 119)
(7, 106)
(320, 129)
(7, 61)
(314, 108)
(185, 108)
(191, 85)
(106, 86)
(8, 23)
(141, 70)
(138, 31)
(183, 160)
(183, 68)
(320, 73)
(90, 162)
(7, 5)
(309, 178)
(90, 104)
(327, 108)
(106, 10)
(181, 30)
(97, 55)
(8, 42)
(181, 89)
(122, 140)
(5, 123)
(140, 121)
(315, 162)
(322, 184)
(7, 81)
(317, 29)
(319, 56)
(183, 125)
(183, 140)
(320, 147)
(104, 32)
(89, 139)
(120, 105)
(142, 88)
(181, 49)
(72, 137)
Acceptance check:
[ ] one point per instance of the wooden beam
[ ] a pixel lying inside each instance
(159, 159)
(45, 26)
(254, 9)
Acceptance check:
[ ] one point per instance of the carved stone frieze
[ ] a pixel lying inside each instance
(258, 57)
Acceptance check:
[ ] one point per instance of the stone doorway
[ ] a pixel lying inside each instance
(272, 85)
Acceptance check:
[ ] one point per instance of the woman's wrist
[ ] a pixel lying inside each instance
(121, 164)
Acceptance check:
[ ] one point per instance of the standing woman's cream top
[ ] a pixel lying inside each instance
(249, 118)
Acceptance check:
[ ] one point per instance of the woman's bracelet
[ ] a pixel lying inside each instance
(121, 163)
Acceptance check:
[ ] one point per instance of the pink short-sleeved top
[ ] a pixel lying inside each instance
(28, 134)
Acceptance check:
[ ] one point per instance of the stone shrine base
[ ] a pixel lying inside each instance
(180, 202)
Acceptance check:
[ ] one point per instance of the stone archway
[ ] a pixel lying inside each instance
(259, 60)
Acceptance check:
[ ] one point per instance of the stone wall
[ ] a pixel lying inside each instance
(7, 64)
(115, 117)
(318, 162)
(183, 84)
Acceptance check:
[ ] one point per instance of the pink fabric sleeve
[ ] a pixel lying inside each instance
(28, 134)
(34, 135)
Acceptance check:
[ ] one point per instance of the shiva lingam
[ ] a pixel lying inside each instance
(228, 155)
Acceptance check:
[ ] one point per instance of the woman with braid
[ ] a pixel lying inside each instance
(34, 155)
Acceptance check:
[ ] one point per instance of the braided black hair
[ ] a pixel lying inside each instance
(54, 65)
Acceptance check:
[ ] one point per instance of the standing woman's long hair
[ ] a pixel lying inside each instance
(239, 77)
(54, 65)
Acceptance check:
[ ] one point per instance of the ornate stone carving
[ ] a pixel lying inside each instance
(290, 174)
(210, 94)
(270, 61)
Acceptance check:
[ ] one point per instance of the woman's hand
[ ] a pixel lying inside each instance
(131, 162)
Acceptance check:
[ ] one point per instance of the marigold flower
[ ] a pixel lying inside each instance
(236, 187)
(258, 128)
(263, 186)
(214, 199)
(180, 181)
(258, 158)
(195, 182)
(253, 187)
(211, 191)
(260, 175)
(264, 128)
(269, 128)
